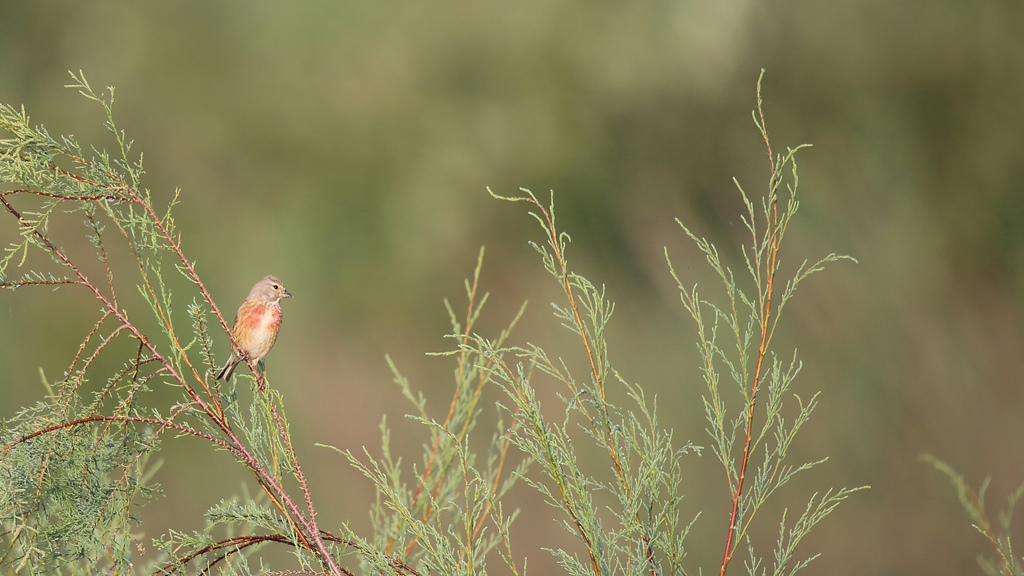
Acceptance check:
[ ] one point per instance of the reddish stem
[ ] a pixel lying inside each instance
(730, 545)
(267, 481)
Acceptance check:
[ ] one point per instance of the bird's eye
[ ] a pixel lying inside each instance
(276, 287)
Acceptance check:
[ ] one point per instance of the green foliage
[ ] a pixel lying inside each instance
(75, 464)
(67, 495)
(440, 520)
(75, 467)
(643, 531)
(1005, 564)
(749, 318)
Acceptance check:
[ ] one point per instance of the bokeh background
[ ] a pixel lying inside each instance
(346, 147)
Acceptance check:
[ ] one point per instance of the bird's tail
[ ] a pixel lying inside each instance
(228, 369)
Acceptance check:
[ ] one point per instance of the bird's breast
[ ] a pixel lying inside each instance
(263, 318)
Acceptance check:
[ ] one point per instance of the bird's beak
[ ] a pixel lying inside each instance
(286, 294)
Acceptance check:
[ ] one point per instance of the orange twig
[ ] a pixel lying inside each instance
(598, 374)
(730, 544)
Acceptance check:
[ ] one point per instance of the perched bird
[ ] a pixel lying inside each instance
(256, 324)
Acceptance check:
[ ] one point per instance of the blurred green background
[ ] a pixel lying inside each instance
(346, 147)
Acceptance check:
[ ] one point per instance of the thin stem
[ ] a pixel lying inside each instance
(236, 446)
(597, 373)
(762, 349)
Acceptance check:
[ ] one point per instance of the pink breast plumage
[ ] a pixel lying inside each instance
(257, 329)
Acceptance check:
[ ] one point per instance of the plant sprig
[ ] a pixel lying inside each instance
(750, 362)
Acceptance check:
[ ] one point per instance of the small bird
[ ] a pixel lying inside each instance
(256, 324)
